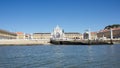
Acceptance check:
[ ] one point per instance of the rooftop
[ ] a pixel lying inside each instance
(4, 31)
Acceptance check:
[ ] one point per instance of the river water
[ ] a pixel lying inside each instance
(60, 56)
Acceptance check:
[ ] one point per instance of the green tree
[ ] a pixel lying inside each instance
(112, 26)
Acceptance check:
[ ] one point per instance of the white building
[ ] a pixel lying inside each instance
(57, 33)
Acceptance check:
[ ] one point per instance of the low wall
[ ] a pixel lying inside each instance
(39, 41)
(23, 42)
(115, 41)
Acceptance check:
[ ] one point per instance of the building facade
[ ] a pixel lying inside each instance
(7, 35)
(57, 33)
(73, 35)
(107, 33)
(90, 36)
(41, 36)
(69, 35)
(20, 35)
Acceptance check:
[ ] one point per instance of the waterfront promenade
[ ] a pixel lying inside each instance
(24, 42)
(45, 41)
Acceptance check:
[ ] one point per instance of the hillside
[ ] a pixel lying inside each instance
(112, 26)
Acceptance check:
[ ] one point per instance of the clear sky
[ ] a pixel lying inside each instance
(31, 16)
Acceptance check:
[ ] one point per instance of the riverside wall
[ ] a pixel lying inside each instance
(24, 42)
(41, 41)
(115, 41)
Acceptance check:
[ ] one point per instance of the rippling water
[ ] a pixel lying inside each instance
(104, 56)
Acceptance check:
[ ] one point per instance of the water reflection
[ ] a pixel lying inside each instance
(112, 49)
(90, 54)
(60, 56)
(58, 53)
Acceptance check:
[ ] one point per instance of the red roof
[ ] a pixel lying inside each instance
(19, 33)
(116, 28)
(93, 32)
(105, 30)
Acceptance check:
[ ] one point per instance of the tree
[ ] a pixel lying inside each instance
(112, 26)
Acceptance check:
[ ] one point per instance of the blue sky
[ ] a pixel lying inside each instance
(31, 16)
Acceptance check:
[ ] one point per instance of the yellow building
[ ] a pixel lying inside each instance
(70, 35)
(57, 33)
(73, 35)
(41, 36)
(20, 35)
(7, 35)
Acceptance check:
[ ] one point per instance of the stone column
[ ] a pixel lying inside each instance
(89, 34)
(24, 36)
(31, 36)
(111, 33)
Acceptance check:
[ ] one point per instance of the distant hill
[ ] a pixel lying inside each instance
(112, 26)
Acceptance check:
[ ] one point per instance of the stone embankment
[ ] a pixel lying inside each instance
(24, 42)
(85, 42)
(47, 42)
